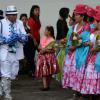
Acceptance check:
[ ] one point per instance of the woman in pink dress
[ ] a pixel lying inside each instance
(91, 80)
(75, 59)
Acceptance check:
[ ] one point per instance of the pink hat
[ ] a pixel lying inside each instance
(97, 15)
(80, 9)
(90, 11)
(98, 7)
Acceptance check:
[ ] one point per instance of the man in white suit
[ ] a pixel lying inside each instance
(10, 52)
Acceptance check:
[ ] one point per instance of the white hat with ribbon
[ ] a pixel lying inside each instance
(11, 10)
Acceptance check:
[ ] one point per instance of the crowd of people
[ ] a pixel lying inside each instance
(72, 58)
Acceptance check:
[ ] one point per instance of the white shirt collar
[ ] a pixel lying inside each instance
(9, 22)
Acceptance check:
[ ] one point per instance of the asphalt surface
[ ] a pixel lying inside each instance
(25, 88)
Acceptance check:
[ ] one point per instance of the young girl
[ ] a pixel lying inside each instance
(46, 61)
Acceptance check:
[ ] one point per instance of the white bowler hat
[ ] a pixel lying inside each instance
(11, 10)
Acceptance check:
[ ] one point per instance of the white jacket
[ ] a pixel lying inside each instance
(6, 31)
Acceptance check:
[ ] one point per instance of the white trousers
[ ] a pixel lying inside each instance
(10, 67)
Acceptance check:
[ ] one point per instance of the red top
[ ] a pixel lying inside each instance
(34, 28)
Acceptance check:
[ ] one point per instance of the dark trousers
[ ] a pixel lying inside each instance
(29, 51)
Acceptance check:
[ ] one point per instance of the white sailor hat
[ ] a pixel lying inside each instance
(11, 10)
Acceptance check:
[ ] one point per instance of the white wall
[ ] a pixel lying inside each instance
(49, 8)
(22, 5)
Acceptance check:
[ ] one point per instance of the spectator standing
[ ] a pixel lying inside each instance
(34, 24)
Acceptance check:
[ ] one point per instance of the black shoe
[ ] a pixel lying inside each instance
(45, 89)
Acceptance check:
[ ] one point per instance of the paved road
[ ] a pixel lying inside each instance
(27, 89)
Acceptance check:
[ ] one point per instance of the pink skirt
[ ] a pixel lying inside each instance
(69, 71)
(72, 77)
(46, 65)
(91, 80)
